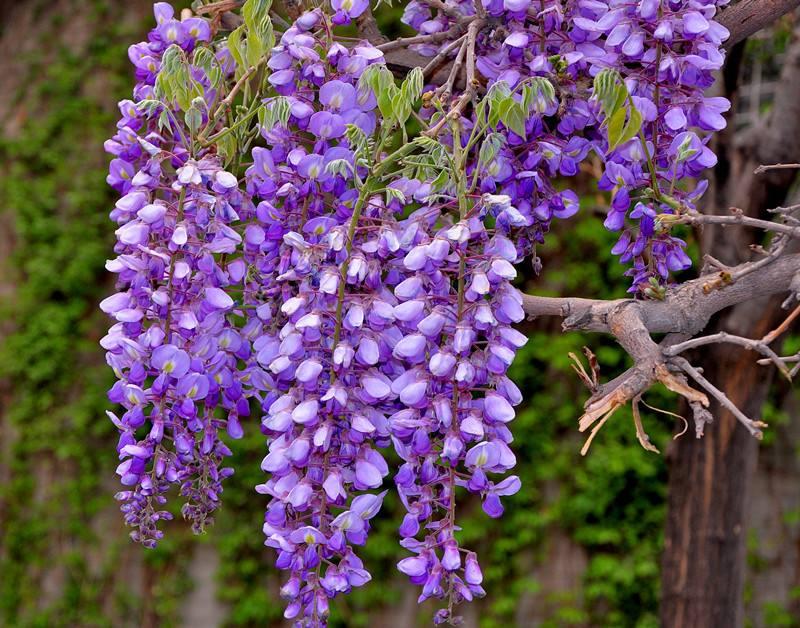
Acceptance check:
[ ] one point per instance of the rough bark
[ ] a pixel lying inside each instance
(709, 481)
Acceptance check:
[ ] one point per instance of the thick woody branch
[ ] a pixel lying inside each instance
(368, 28)
(685, 309)
(747, 17)
(683, 313)
(761, 346)
(649, 367)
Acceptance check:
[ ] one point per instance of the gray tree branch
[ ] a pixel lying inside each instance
(683, 313)
(685, 309)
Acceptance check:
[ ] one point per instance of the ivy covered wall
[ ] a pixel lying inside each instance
(579, 545)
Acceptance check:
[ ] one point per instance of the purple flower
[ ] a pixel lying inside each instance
(349, 8)
(337, 95)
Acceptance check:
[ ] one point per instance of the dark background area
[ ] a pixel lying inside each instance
(580, 545)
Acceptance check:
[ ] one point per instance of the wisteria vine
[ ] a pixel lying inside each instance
(303, 239)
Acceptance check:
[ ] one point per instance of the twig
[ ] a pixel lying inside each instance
(736, 219)
(766, 168)
(218, 7)
(713, 262)
(641, 435)
(226, 103)
(591, 381)
(470, 89)
(782, 327)
(784, 210)
(752, 426)
(433, 38)
(748, 343)
(439, 58)
(701, 416)
(447, 88)
(447, 10)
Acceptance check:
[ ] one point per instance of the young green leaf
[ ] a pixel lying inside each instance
(238, 49)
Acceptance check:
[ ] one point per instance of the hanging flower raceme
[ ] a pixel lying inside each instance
(666, 53)
(173, 348)
(455, 311)
(318, 244)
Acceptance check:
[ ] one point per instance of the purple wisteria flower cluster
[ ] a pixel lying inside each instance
(286, 251)
(665, 51)
(173, 348)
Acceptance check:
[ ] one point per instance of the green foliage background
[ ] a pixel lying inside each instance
(62, 460)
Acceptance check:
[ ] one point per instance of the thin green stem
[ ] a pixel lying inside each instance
(170, 284)
(363, 196)
(218, 136)
(459, 174)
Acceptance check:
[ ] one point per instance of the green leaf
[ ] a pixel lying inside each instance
(514, 117)
(341, 167)
(401, 107)
(174, 83)
(632, 127)
(193, 118)
(412, 86)
(377, 78)
(256, 13)
(386, 101)
(618, 130)
(441, 181)
(394, 103)
(227, 147)
(610, 90)
(260, 35)
(614, 127)
(538, 95)
(489, 148)
(149, 106)
(274, 113)
(499, 99)
(392, 193)
(684, 150)
(617, 105)
(358, 139)
(238, 49)
(164, 121)
(203, 58)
